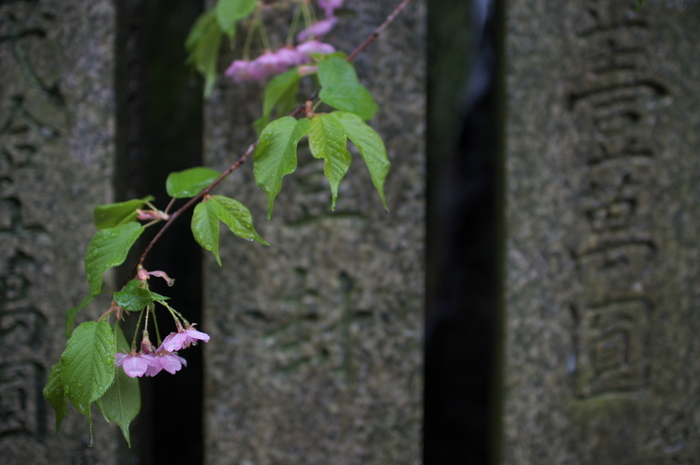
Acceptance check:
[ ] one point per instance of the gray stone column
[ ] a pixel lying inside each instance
(602, 134)
(315, 352)
(56, 152)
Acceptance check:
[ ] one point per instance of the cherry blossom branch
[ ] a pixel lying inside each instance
(193, 201)
(251, 148)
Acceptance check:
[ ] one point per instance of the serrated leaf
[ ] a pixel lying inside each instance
(108, 248)
(230, 11)
(55, 394)
(370, 146)
(203, 43)
(327, 140)
(190, 182)
(205, 227)
(88, 364)
(237, 217)
(116, 214)
(341, 89)
(135, 298)
(122, 401)
(275, 156)
(281, 93)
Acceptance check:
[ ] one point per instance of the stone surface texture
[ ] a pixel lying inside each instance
(602, 145)
(56, 147)
(315, 351)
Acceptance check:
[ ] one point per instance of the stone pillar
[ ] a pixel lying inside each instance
(315, 351)
(602, 144)
(56, 152)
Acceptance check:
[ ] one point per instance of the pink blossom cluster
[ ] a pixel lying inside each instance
(149, 362)
(271, 63)
(323, 27)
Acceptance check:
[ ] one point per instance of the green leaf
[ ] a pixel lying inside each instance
(190, 182)
(116, 214)
(88, 364)
(108, 248)
(55, 394)
(341, 89)
(200, 26)
(205, 227)
(237, 217)
(275, 156)
(280, 92)
(135, 298)
(370, 146)
(327, 140)
(230, 11)
(203, 43)
(122, 401)
(337, 54)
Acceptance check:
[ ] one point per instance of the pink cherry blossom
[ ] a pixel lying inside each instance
(133, 364)
(289, 57)
(154, 365)
(329, 6)
(317, 29)
(170, 362)
(183, 339)
(314, 46)
(238, 71)
(265, 65)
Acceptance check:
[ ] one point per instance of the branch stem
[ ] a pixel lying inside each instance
(389, 19)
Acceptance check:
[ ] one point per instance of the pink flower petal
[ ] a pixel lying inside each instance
(133, 365)
(154, 365)
(289, 57)
(239, 71)
(193, 335)
(172, 363)
(164, 275)
(174, 342)
(317, 29)
(183, 339)
(266, 64)
(314, 46)
(329, 6)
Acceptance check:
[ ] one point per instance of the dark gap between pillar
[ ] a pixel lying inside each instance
(160, 131)
(463, 246)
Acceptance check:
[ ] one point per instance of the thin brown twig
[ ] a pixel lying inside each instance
(196, 199)
(389, 19)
